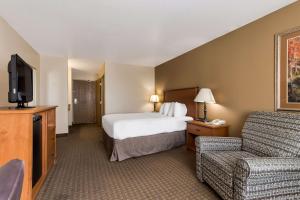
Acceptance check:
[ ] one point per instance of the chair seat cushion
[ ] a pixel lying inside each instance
(218, 168)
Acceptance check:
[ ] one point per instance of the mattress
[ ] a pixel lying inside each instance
(122, 126)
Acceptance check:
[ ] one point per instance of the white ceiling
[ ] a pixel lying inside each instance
(138, 32)
(88, 65)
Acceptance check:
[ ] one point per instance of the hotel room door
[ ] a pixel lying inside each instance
(84, 102)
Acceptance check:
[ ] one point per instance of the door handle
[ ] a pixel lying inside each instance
(75, 101)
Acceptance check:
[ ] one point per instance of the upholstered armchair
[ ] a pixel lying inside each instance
(11, 180)
(263, 164)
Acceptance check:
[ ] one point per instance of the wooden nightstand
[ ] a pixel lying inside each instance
(198, 128)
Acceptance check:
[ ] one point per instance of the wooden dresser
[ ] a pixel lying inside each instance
(198, 128)
(16, 142)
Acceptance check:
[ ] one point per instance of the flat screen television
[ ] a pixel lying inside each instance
(20, 81)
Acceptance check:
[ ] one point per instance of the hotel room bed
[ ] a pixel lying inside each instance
(119, 150)
(137, 134)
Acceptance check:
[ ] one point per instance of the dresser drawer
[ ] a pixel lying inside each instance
(199, 130)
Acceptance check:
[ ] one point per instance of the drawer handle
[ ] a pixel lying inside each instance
(198, 130)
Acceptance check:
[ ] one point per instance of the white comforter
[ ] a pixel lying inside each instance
(121, 126)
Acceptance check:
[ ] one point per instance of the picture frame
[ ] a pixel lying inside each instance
(287, 70)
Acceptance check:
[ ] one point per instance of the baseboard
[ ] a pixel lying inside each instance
(62, 135)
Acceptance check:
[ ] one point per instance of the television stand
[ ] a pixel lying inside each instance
(17, 136)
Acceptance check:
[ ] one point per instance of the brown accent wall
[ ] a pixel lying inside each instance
(238, 67)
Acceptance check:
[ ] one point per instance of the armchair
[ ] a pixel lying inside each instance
(11, 180)
(263, 164)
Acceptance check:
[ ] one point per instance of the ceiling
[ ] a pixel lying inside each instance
(137, 32)
(87, 65)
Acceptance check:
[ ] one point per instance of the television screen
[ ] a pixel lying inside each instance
(20, 81)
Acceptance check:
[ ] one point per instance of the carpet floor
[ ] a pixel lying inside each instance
(83, 171)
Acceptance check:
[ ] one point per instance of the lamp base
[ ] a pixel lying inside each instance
(201, 120)
(204, 119)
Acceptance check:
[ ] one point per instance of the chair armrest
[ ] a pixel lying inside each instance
(267, 177)
(268, 166)
(204, 143)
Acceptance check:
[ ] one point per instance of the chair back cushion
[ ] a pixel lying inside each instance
(11, 180)
(272, 134)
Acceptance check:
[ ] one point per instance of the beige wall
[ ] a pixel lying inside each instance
(128, 88)
(54, 88)
(83, 75)
(101, 70)
(238, 67)
(11, 43)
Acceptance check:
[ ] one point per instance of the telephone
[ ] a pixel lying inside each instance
(217, 122)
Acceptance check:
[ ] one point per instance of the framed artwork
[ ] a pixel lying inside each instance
(287, 70)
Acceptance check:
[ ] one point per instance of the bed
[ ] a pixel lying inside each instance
(137, 134)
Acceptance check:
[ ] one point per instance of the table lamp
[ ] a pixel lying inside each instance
(205, 96)
(154, 99)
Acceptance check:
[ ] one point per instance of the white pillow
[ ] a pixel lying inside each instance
(166, 108)
(171, 110)
(180, 110)
(161, 110)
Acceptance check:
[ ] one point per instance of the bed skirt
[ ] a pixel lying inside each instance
(119, 150)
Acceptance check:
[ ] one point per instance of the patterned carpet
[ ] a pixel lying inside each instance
(84, 172)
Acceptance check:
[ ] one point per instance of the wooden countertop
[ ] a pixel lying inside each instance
(14, 110)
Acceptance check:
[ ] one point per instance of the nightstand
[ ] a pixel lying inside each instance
(198, 128)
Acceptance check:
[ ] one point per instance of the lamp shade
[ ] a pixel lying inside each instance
(205, 95)
(154, 98)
